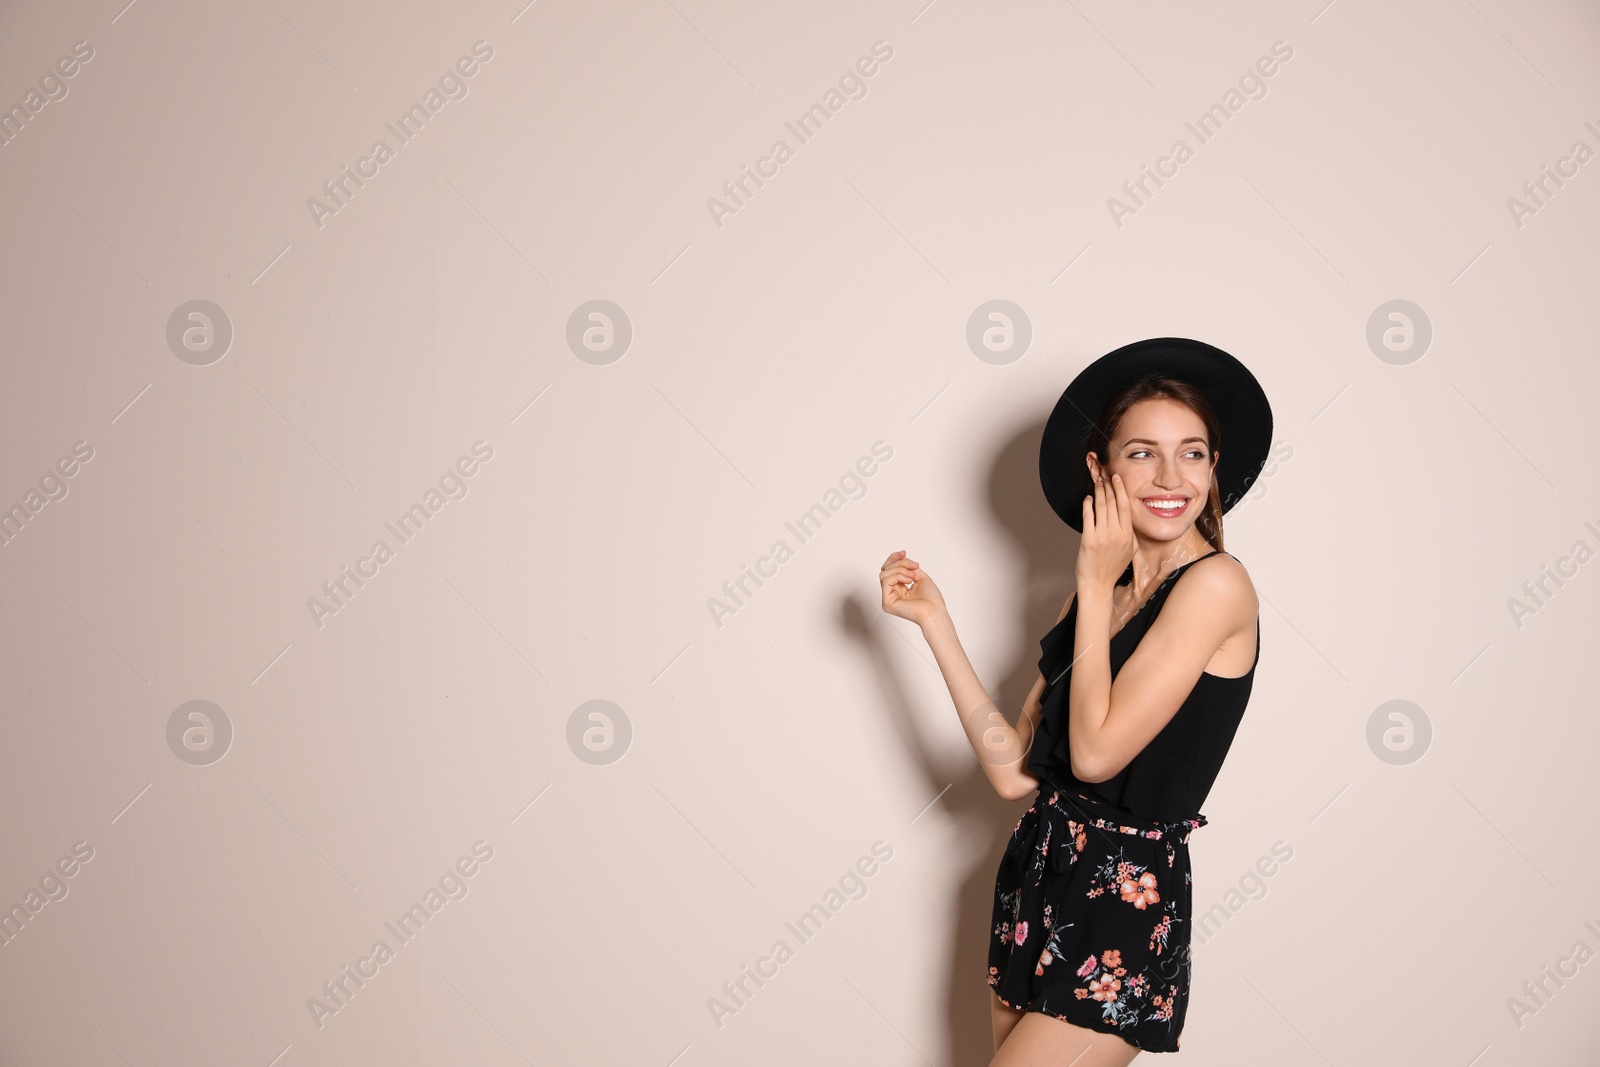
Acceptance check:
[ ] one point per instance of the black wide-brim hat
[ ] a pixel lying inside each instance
(1244, 418)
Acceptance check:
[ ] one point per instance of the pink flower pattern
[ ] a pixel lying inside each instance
(1096, 892)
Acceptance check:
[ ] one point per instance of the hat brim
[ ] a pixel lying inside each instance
(1244, 417)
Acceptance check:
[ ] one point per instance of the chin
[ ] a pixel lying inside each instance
(1160, 530)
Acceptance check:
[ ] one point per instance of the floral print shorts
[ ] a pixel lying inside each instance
(1092, 911)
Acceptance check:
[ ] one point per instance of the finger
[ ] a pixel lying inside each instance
(899, 574)
(1124, 505)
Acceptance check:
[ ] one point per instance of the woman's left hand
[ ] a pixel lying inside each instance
(1108, 539)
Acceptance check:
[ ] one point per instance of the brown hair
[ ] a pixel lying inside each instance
(1155, 387)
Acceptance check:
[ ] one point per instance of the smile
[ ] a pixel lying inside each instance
(1167, 507)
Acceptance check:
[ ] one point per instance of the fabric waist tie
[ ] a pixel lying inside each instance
(1046, 830)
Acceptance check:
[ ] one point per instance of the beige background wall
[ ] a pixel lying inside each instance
(366, 752)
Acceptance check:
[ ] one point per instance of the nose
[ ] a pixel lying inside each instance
(1167, 476)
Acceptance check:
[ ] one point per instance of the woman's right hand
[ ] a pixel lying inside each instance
(921, 602)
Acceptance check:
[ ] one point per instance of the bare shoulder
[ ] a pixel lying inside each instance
(1220, 583)
(1213, 608)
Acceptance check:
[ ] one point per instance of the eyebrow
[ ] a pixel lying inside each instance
(1148, 441)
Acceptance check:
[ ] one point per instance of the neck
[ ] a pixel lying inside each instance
(1154, 560)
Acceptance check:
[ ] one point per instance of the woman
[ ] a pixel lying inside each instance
(1143, 682)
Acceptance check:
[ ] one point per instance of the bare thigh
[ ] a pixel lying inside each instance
(1034, 1039)
(1002, 1019)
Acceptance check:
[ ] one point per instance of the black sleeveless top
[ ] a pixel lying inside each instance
(1170, 777)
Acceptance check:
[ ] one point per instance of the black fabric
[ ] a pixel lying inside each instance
(1091, 919)
(1171, 776)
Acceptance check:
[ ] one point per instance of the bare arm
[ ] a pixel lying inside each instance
(1002, 749)
(1110, 723)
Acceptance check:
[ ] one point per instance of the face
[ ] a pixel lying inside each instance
(1159, 448)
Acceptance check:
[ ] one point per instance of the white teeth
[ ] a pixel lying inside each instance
(1172, 505)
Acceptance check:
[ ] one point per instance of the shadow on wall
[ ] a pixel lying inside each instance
(1048, 548)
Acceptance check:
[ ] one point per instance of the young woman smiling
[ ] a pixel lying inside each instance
(1143, 682)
